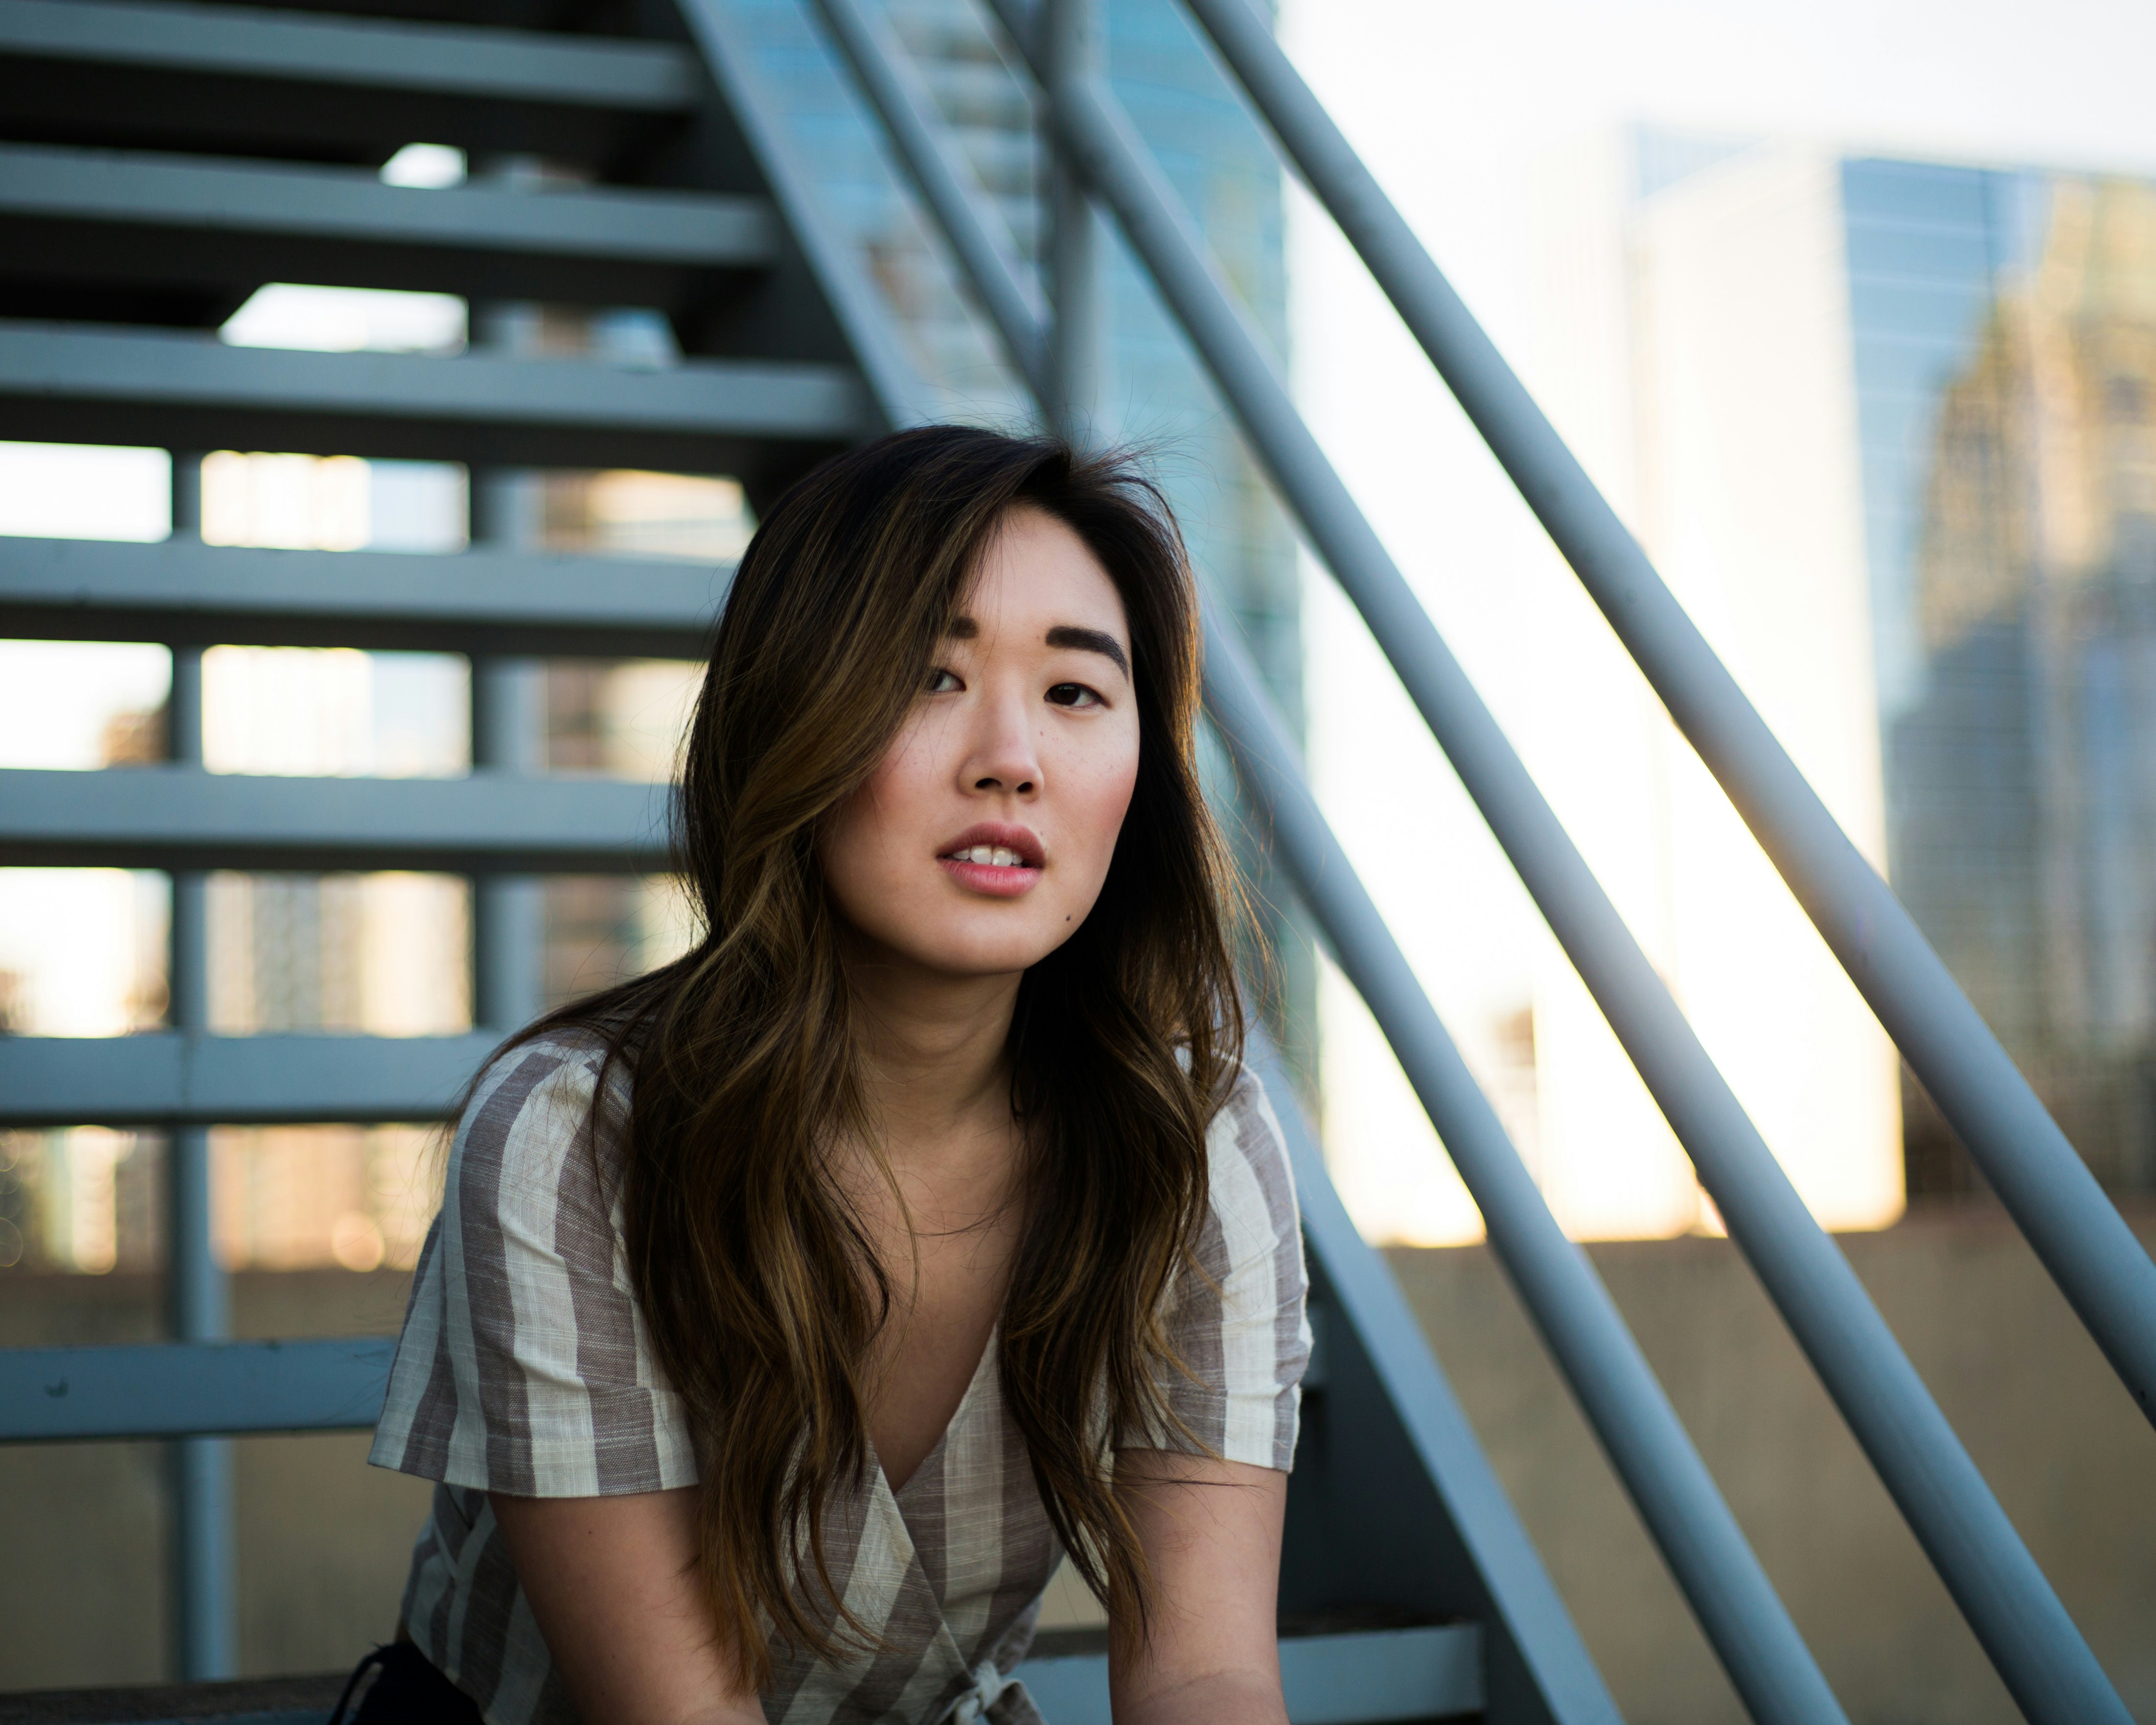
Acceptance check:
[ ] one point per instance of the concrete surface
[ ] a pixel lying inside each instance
(2069, 1458)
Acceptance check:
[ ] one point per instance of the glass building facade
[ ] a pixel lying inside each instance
(2004, 336)
(1888, 427)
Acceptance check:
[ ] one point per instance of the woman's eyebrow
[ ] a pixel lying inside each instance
(1090, 640)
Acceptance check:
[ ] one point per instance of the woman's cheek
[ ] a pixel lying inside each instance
(1107, 797)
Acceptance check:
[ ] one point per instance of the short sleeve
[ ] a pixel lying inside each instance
(525, 1366)
(1238, 1326)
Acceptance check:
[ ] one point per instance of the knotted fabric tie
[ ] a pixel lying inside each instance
(972, 1704)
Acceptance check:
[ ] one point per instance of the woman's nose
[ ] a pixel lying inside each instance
(1003, 756)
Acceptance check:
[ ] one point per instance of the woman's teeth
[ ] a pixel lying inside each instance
(995, 855)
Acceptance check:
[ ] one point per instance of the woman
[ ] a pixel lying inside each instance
(792, 1310)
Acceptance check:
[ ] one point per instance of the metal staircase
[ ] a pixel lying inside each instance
(162, 160)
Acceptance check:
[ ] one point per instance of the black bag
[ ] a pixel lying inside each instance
(408, 1690)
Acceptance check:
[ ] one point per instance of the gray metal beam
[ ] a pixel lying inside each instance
(198, 1291)
(939, 173)
(181, 817)
(1653, 1453)
(479, 601)
(1071, 45)
(169, 1078)
(64, 383)
(165, 1389)
(899, 395)
(235, 77)
(2089, 1249)
(2004, 1595)
(111, 215)
(1353, 1678)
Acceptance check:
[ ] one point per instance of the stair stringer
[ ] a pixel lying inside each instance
(816, 303)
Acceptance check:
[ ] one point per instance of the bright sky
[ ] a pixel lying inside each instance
(1451, 107)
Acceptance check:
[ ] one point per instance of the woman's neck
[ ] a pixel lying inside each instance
(934, 1064)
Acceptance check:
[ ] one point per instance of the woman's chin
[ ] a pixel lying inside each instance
(982, 953)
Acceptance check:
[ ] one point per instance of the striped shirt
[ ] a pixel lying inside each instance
(526, 1368)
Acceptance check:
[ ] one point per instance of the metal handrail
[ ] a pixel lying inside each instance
(2083, 1241)
(938, 174)
(1736, 1605)
(2004, 1596)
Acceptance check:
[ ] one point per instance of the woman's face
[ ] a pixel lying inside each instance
(981, 842)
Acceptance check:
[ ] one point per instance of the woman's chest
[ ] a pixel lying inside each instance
(947, 1570)
(945, 1297)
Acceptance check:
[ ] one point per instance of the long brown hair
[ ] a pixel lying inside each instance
(756, 1277)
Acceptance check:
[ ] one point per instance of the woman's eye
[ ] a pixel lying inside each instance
(1073, 695)
(943, 682)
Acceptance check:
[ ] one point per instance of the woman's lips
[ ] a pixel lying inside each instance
(992, 879)
(995, 858)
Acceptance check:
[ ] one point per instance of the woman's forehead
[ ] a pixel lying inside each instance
(1035, 574)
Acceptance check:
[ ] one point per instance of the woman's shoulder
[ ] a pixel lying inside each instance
(576, 1050)
(1252, 1175)
(533, 1104)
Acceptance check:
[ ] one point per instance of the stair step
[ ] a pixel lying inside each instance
(239, 80)
(1356, 1677)
(1360, 1676)
(70, 384)
(251, 1701)
(165, 1077)
(181, 817)
(480, 601)
(107, 216)
(177, 1389)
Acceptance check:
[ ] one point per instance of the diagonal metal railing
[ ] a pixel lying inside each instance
(2049, 1190)
(2016, 1615)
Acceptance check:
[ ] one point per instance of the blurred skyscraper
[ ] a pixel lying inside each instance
(2021, 753)
(1889, 426)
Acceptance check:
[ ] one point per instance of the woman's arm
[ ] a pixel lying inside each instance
(1212, 1532)
(613, 1584)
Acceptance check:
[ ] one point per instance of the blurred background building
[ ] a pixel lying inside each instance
(1887, 427)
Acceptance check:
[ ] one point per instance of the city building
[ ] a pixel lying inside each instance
(1887, 427)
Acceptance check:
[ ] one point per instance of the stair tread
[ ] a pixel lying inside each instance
(236, 79)
(465, 61)
(160, 1076)
(161, 817)
(170, 227)
(243, 196)
(478, 600)
(275, 1701)
(73, 382)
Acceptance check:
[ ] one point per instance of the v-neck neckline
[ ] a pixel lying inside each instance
(898, 1491)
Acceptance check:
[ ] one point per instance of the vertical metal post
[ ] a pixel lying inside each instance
(203, 1594)
(1077, 249)
(508, 732)
(508, 911)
